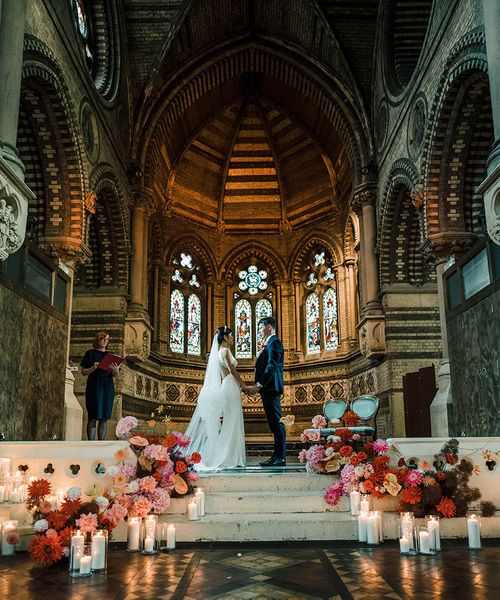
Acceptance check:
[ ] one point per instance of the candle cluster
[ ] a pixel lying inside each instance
(13, 486)
(88, 553)
(423, 539)
(147, 535)
(369, 522)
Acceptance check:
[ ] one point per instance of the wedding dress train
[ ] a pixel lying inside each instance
(216, 429)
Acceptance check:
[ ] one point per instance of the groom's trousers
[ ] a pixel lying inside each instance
(272, 408)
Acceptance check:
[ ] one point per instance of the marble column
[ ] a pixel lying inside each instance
(137, 264)
(490, 187)
(369, 255)
(11, 66)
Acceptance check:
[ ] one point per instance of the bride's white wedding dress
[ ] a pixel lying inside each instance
(216, 429)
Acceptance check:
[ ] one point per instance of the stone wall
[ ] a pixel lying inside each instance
(475, 370)
(33, 366)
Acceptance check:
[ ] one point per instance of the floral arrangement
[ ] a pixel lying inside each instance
(442, 488)
(161, 469)
(54, 526)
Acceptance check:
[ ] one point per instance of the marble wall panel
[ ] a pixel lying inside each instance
(32, 369)
(474, 343)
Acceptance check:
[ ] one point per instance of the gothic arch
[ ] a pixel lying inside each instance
(458, 140)
(198, 246)
(251, 250)
(48, 121)
(350, 235)
(305, 246)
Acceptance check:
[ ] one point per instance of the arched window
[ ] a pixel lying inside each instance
(186, 325)
(252, 303)
(321, 321)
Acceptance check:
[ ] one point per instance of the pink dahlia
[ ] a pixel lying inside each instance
(87, 522)
(303, 456)
(414, 478)
(147, 484)
(124, 426)
(333, 493)
(318, 422)
(380, 446)
(182, 440)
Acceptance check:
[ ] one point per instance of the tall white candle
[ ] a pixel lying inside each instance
(171, 537)
(407, 528)
(98, 551)
(364, 505)
(404, 545)
(424, 540)
(150, 527)
(474, 532)
(2, 493)
(192, 511)
(85, 565)
(77, 541)
(134, 533)
(200, 501)
(5, 464)
(354, 502)
(362, 527)
(434, 533)
(372, 529)
(149, 544)
(8, 528)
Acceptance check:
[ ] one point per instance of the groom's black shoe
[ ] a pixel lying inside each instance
(267, 463)
(275, 462)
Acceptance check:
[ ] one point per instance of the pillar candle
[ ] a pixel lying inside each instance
(85, 565)
(354, 501)
(474, 532)
(407, 527)
(199, 498)
(362, 527)
(171, 537)
(378, 514)
(149, 544)
(434, 533)
(372, 529)
(77, 541)
(98, 551)
(424, 540)
(150, 527)
(5, 465)
(134, 529)
(2, 493)
(364, 505)
(8, 527)
(404, 545)
(192, 511)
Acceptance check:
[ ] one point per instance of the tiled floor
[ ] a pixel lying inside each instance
(341, 571)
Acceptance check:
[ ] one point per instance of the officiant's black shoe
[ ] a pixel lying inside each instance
(277, 462)
(267, 462)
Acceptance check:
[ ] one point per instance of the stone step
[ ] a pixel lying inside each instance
(270, 480)
(271, 502)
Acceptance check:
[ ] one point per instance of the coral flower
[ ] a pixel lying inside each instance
(70, 507)
(121, 454)
(180, 466)
(147, 484)
(369, 486)
(170, 441)
(345, 451)
(447, 507)
(87, 522)
(151, 422)
(45, 506)
(440, 476)
(318, 422)
(412, 495)
(39, 488)
(46, 550)
(195, 458)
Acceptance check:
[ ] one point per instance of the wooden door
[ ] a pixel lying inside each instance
(419, 389)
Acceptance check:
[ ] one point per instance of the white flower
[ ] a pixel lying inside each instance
(102, 503)
(359, 471)
(132, 487)
(334, 421)
(65, 551)
(93, 490)
(112, 470)
(328, 451)
(333, 438)
(74, 493)
(41, 525)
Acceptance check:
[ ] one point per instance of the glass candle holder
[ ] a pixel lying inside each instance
(474, 531)
(433, 527)
(161, 536)
(99, 551)
(424, 541)
(149, 545)
(372, 528)
(76, 551)
(364, 503)
(134, 534)
(80, 560)
(407, 542)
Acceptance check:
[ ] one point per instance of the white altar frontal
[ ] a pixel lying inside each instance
(252, 504)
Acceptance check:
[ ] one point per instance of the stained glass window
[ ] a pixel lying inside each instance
(252, 280)
(80, 16)
(176, 321)
(313, 327)
(263, 308)
(194, 325)
(243, 326)
(330, 325)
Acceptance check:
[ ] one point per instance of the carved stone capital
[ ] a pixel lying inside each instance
(363, 195)
(137, 334)
(372, 336)
(142, 198)
(417, 196)
(70, 251)
(439, 246)
(285, 226)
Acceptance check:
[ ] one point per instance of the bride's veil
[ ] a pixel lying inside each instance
(205, 423)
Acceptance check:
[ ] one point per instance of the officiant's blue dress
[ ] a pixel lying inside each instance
(100, 390)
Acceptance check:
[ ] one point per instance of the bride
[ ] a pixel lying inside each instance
(216, 429)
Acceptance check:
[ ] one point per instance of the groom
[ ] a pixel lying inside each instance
(269, 384)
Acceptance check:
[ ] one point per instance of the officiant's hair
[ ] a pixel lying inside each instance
(101, 335)
(222, 332)
(268, 321)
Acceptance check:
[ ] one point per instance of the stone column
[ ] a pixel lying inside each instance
(350, 296)
(369, 255)
(490, 188)
(298, 315)
(137, 262)
(11, 66)
(156, 292)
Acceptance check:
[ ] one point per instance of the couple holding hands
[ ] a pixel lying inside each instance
(216, 429)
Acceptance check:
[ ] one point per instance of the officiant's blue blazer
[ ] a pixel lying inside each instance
(269, 367)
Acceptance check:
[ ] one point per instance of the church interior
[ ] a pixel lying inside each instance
(171, 166)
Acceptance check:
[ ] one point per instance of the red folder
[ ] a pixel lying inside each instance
(110, 359)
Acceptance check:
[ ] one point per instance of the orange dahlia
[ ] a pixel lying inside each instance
(344, 434)
(447, 507)
(180, 466)
(39, 488)
(345, 451)
(46, 550)
(170, 441)
(411, 495)
(70, 507)
(369, 486)
(440, 476)
(196, 457)
(350, 419)
(56, 519)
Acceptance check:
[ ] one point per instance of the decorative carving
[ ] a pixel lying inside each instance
(438, 247)
(221, 226)
(10, 238)
(417, 196)
(372, 338)
(285, 226)
(416, 127)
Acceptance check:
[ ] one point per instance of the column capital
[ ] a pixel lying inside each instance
(70, 251)
(439, 246)
(142, 198)
(365, 194)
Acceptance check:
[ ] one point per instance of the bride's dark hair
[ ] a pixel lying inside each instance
(221, 333)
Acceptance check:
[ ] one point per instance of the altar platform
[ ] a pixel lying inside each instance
(252, 504)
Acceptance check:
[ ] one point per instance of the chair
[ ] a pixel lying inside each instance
(366, 407)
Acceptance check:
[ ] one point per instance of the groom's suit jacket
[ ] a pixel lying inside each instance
(269, 367)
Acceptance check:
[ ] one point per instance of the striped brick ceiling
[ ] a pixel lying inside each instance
(252, 167)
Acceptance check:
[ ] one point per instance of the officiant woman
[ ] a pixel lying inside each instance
(100, 390)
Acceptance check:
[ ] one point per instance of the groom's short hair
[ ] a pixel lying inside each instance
(268, 321)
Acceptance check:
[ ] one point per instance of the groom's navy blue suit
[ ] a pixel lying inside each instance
(269, 374)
